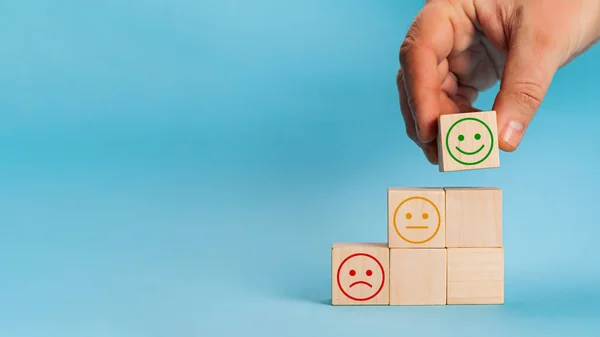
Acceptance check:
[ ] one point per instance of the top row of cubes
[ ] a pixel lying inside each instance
(455, 217)
(468, 141)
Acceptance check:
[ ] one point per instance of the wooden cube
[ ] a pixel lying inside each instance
(473, 217)
(417, 276)
(360, 274)
(475, 276)
(416, 218)
(468, 141)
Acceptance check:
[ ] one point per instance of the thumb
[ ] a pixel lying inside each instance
(529, 69)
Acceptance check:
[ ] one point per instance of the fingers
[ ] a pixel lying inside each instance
(428, 42)
(411, 130)
(450, 85)
(530, 66)
(453, 98)
(466, 95)
(409, 122)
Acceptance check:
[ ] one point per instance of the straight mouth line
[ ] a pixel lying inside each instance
(417, 227)
(361, 282)
(470, 153)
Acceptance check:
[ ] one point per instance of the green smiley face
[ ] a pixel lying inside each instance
(469, 141)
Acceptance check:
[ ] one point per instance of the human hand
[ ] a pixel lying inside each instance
(457, 48)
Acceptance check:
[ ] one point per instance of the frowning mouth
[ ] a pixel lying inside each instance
(361, 282)
(470, 153)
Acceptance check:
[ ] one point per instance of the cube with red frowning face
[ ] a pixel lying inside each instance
(360, 274)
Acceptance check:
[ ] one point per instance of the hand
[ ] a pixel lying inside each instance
(457, 48)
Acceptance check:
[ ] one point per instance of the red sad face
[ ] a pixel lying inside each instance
(360, 277)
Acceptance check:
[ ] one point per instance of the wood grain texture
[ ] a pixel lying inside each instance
(416, 218)
(360, 274)
(417, 276)
(468, 141)
(473, 217)
(475, 276)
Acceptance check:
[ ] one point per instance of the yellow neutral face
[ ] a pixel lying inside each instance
(417, 220)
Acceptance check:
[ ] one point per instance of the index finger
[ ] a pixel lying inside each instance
(428, 42)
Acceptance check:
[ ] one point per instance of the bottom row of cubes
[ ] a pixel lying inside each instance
(373, 274)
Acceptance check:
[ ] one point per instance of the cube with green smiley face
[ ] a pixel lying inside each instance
(468, 141)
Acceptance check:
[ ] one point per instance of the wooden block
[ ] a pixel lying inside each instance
(360, 274)
(417, 276)
(416, 218)
(468, 141)
(473, 217)
(475, 276)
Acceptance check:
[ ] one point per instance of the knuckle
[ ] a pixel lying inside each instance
(529, 96)
(409, 41)
(404, 49)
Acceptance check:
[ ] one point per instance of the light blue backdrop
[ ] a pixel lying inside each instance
(181, 168)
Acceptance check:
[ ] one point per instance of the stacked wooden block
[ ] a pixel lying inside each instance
(444, 244)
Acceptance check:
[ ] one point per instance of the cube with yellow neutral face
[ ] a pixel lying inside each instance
(468, 141)
(416, 217)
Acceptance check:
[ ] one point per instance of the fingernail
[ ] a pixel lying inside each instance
(512, 133)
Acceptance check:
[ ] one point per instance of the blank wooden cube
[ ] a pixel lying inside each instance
(473, 217)
(360, 274)
(475, 276)
(416, 218)
(417, 276)
(468, 141)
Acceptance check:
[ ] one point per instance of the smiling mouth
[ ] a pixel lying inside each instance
(470, 153)
(361, 282)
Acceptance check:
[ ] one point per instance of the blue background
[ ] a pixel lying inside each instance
(181, 168)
